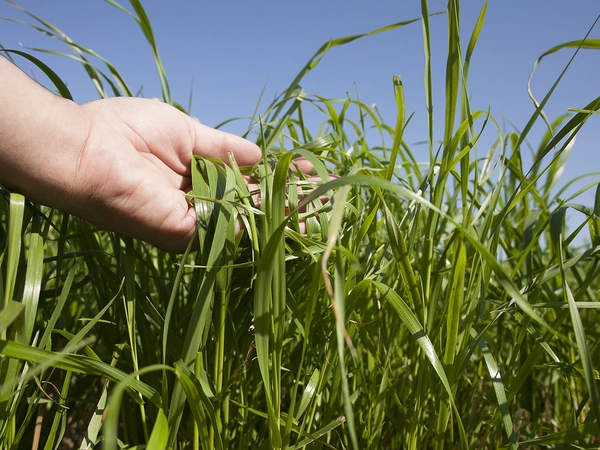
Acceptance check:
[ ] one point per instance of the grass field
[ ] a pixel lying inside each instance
(429, 304)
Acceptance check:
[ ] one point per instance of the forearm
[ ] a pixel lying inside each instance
(41, 136)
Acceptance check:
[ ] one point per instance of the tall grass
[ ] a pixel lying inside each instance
(432, 305)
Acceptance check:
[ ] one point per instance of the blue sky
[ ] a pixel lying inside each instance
(228, 51)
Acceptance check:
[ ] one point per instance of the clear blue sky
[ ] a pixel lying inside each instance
(229, 50)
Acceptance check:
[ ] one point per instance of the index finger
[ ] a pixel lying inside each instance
(211, 143)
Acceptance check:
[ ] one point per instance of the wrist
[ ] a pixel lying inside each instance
(41, 136)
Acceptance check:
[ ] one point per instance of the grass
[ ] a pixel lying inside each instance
(431, 305)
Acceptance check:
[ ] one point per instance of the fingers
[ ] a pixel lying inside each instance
(303, 189)
(303, 164)
(211, 143)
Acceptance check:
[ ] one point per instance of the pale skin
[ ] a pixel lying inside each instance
(122, 164)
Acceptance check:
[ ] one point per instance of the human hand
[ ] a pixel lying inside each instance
(135, 166)
(122, 164)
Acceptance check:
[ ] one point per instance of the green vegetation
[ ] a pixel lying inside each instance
(428, 305)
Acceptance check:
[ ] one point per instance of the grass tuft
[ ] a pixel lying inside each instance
(428, 304)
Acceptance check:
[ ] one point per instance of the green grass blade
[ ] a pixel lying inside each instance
(143, 22)
(503, 278)
(17, 208)
(321, 432)
(540, 106)
(308, 393)
(268, 297)
(62, 299)
(400, 122)
(33, 285)
(499, 390)
(320, 53)
(95, 424)
(11, 312)
(199, 403)
(78, 364)
(75, 340)
(428, 79)
(60, 417)
(160, 432)
(453, 65)
(455, 303)
(581, 432)
(584, 44)
(557, 225)
(111, 424)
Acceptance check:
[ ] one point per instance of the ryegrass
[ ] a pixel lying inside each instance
(429, 304)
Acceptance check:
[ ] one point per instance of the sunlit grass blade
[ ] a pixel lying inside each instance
(455, 303)
(586, 43)
(199, 404)
(317, 434)
(119, 86)
(95, 424)
(33, 285)
(76, 363)
(594, 225)
(320, 53)
(111, 423)
(143, 22)
(13, 252)
(60, 303)
(499, 389)
(540, 105)
(400, 123)
(557, 224)
(453, 64)
(46, 27)
(160, 432)
(308, 393)
(428, 79)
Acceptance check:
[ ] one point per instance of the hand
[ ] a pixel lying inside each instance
(122, 164)
(135, 166)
